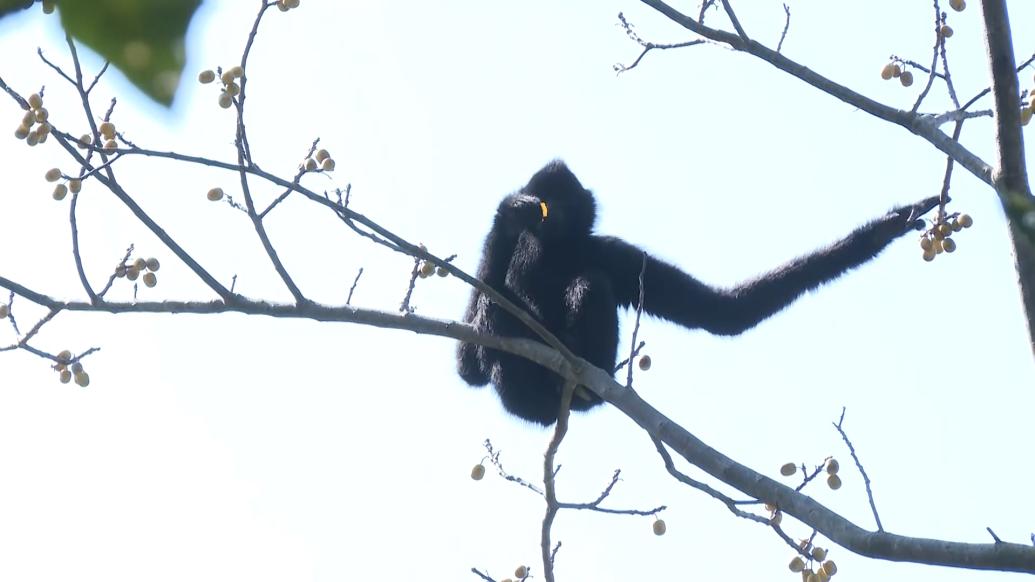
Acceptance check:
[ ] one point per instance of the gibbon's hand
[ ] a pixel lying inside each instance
(905, 218)
(519, 212)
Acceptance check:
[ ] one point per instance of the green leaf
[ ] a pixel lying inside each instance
(143, 38)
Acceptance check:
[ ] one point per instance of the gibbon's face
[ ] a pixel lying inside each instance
(567, 209)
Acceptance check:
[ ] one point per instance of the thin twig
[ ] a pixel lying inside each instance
(858, 464)
(550, 485)
(786, 27)
(352, 289)
(636, 328)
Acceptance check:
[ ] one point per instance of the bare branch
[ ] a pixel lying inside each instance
(786, 27)
(862, 471)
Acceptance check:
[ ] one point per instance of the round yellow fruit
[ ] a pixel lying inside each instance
(64, 356)
(427, 269)
(226, 100)
(65, 377)
(111, 145)
(22, 132)
(477, 472)
(322, 155)
(153, 264)
(958, 5)
(140, 264)
(75, 185)
(441, 272)
(1025, 116)
(310, 165)
(327, 165)
(60, 191)
(132, 273)
(84, 141)
(965, 220)
(53, 175)
(887, 72)
(833, 466)
(659, 527)
(35, 101)
(945, 31)
(83, 379)
(788, 469)
(215, 194)
(207, 76)
(834, 482)
(797, 564)
(819, 553)
(830, 567)
(150, 279)
(949, 245)
(521, 572)
(107, 130)
(644, 362)
(4, 311)
(906, 79)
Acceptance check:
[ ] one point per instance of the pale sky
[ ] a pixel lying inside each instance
(235, 448)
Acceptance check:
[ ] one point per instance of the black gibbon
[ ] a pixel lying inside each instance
(542, 254)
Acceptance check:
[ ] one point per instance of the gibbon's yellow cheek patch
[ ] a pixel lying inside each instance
(545, 209)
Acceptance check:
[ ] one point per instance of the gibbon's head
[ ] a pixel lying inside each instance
(568, 209)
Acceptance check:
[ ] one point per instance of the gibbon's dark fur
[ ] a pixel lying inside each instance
(574, 281)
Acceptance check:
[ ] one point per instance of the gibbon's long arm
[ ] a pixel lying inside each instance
(515, 213)
(671, 294)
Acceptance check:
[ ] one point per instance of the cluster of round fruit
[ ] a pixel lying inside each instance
(285, 5)
(321, 160)
(427, 269)
(229, 80)
(61, 190)
(818, 570)
(936, 239)
(146, 267)
(893, 70)
(34, 128)
(832, 466)
(67, 370)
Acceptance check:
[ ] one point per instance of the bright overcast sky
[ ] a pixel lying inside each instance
(235, 448)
